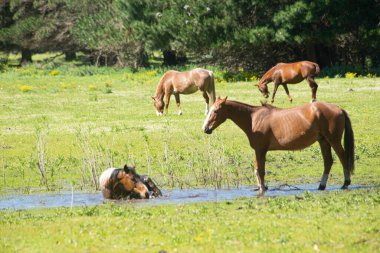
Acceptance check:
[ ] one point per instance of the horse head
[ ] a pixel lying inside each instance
(159, 104)
(152, 187)
(215, 116)
(132, 183)
(263, 88)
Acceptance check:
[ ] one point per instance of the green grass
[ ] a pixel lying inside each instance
(344, 221)
(107, 119)
(74, 120)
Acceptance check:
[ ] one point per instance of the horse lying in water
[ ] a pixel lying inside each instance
(290, 73)
(270, 128)
(127, 184)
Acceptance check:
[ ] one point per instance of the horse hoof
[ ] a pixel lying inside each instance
(179, 113)
(322, 187)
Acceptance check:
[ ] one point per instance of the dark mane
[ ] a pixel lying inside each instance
(114, 174)
(269, 106)
(250, 107)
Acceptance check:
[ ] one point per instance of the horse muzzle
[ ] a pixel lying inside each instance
(208, 130)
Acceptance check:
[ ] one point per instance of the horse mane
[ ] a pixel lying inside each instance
(114, 174)
(266, 105)
(252, 107)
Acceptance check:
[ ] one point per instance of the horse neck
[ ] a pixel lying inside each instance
(267, 77)
(240, 114)
(160, 90)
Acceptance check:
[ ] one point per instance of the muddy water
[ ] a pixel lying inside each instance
(176, 196)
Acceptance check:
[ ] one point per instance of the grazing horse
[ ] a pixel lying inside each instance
(174, 82)
(122, 184)
(271, 128)
(284, 73)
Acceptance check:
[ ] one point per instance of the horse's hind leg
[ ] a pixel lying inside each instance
(327, 161)
(314, 86)
(287, 92)
(178, 101)
(207, 99)
(337, 146)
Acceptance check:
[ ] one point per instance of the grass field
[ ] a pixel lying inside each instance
(76, 121)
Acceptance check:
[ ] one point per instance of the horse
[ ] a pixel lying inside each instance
(290, 73)
(174, 82)
(270, 128)
(122, 184)
(152, 187)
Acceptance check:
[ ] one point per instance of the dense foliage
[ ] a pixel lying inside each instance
(249, 34)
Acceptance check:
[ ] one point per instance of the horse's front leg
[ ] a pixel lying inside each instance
(167, 100)
(176, 95)
(260, 171)
(207, 99)
(287, 92)
(276, 84)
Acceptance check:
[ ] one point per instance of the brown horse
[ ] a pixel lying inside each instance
(152, 187)
(174, 82)
(271, 128)
(122, 183)
(290, 73)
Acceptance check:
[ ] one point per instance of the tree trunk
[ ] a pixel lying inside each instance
(170, 57)
(70, 56)
(26, 57)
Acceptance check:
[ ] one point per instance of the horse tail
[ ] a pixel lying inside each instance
(349, 143)
(211, 88)
(317, 69)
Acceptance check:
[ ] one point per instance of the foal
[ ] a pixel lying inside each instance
(284, 73)
(270, 128)
(174, 82)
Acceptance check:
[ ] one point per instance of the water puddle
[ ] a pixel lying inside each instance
(175, 196)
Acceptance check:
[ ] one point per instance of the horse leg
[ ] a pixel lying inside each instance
(287, 92)
(337, 146)
(260, 171)
(327, 161)
(176, 95)
(276, 84)
(167, 100)
(314, 86)
(204, 93)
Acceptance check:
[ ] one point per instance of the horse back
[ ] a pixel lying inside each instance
(298, 127)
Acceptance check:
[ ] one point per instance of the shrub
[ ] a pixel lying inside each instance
(25, 88)
(350, 75)
(54, 72)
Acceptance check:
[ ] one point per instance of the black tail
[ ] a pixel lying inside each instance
(349, 143)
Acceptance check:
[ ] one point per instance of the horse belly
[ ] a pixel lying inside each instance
(185, 89)
(294, 142)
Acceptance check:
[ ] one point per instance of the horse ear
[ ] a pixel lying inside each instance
(225, 99)
(153, 98)
(126, 169)
(256, 85)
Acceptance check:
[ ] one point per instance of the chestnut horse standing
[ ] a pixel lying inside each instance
(174, 82)
(271, 128)
(284, 73)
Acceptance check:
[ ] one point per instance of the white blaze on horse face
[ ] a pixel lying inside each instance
(208, 118)
(206, 110)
